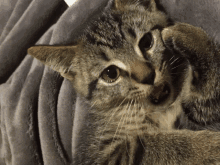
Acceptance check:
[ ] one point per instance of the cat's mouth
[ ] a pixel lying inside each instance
(160, 94)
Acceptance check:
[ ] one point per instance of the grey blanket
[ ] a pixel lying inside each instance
(42, 121)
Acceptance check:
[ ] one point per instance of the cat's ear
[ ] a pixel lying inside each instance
(147, 4)
(118, 4)
(59, 58)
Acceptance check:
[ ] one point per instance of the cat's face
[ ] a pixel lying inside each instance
(121, 59)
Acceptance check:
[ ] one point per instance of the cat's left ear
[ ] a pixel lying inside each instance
(59, 58)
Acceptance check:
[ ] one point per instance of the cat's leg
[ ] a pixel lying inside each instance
(174, 148)
(181, 148)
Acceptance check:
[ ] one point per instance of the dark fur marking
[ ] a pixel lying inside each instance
(159, 27)
(90, 38)
(148, 119)
(92, 86)
(139, 152)
(145, 3)
(117, 18)
(132, 32)
(160, 6)
(119, 159)
(104, 56)
(104, 44)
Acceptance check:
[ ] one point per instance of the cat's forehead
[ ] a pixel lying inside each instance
(115, 28)
(115, 35)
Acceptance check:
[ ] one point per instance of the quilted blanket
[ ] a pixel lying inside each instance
(42, 121)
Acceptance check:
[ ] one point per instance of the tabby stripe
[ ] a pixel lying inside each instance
(132, 32)
(92, 86)
(104, 56)
(147, 118)
(92, 40)
(117, 18)
(104, 44)
(139, 152)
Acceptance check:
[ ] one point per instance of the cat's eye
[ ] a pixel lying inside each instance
(111, 74)
(146, 42)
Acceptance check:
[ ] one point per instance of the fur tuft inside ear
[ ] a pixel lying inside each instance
(59, 58)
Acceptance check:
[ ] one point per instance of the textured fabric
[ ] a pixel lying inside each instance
(42, 120)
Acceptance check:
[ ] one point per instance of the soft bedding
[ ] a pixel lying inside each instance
(42, 121)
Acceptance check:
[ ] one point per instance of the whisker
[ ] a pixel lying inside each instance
(139, 130)
(127, 123)
(113, 113)
(171, 58)
(126, 112)
(93, 104)
(174, 61)
(177, 66)
(117, 128)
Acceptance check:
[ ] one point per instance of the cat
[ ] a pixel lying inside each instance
(139, 72)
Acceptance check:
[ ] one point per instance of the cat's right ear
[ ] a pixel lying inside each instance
(59, 58)
(117, 4)
(120, 4)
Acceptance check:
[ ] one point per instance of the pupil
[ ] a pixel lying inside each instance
(146, 42)
(112, 72)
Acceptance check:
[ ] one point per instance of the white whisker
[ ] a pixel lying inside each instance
(177, 66)
(113, 113)
(174, 61)
(118, 127)
(171, 58)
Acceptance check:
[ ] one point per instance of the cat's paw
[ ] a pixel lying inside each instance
(186, 39)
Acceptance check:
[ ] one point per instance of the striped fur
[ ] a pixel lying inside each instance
(133, 126)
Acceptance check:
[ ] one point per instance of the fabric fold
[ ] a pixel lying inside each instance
(42, 120)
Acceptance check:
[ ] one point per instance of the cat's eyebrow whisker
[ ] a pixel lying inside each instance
(177, 73)
(163, 67)
(93, 104)
(171, 58)
(174, 61)
(178, 66)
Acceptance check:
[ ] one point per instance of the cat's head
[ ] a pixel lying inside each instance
(121, 58)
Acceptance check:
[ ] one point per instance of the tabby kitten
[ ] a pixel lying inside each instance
(139, 72)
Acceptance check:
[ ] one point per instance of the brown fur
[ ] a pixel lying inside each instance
(133, 128)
